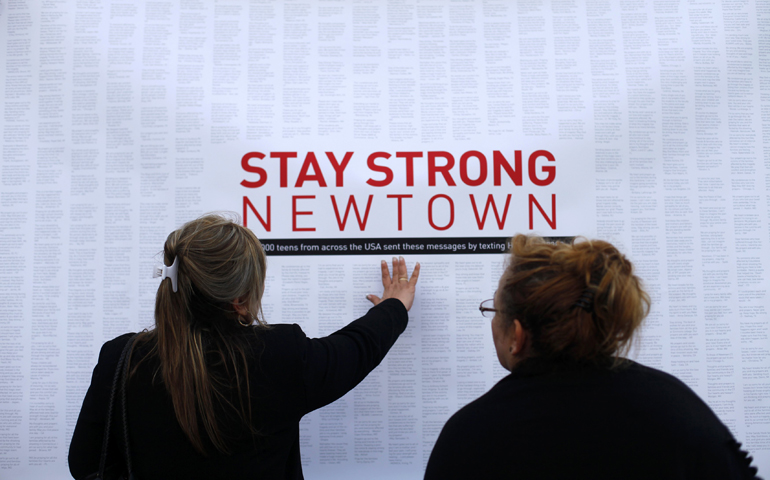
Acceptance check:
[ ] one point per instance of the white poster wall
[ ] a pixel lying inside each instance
(349, 131)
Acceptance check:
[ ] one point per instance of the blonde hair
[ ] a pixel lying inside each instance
(579, 301)
(221, 264)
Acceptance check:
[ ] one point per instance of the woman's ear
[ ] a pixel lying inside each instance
(519, 338)
(240, 307)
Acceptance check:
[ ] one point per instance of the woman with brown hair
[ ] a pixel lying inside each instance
(213, 391)
(572, 407)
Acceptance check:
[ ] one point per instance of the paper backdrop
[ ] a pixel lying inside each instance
(345, 132)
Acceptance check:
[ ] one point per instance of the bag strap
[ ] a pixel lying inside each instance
(115, 378)
(123, 388)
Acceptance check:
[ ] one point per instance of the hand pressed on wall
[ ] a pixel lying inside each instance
(400, 285)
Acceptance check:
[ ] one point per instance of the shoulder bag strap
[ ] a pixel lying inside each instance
(123, 387)
(106, 437)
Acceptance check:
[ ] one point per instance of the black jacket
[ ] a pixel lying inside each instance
(290, 375)
(550, 420)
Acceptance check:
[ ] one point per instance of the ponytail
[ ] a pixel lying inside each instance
(220, 263)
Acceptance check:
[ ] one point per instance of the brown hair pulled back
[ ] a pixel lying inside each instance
(220, 263)
(543, 283)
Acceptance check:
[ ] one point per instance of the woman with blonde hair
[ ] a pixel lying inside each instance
(213, 391)
(563, 316)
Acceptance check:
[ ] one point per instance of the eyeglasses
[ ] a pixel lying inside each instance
(487, 308)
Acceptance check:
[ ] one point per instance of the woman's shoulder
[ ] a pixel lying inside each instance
(111, 349)
(118, 342)
(649, 382)
(109, 354)
(633, 368)
(489, 408)
(279, 340)
(629, 387)
(278, 332)
(689, 421)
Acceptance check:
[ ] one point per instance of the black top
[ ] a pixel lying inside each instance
(289, 376)
(568, 421)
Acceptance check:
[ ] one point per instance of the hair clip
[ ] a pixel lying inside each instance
(165, 272)
(586, 300)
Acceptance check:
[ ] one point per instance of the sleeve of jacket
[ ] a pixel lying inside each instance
(333, 365)
(86, 446)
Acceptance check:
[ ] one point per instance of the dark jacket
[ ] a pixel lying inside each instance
(290, 375)
(550, 420)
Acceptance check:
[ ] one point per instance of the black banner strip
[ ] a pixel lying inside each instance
(387, 246)
(384, 246)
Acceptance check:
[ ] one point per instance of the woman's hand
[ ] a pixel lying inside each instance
(398, 286)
